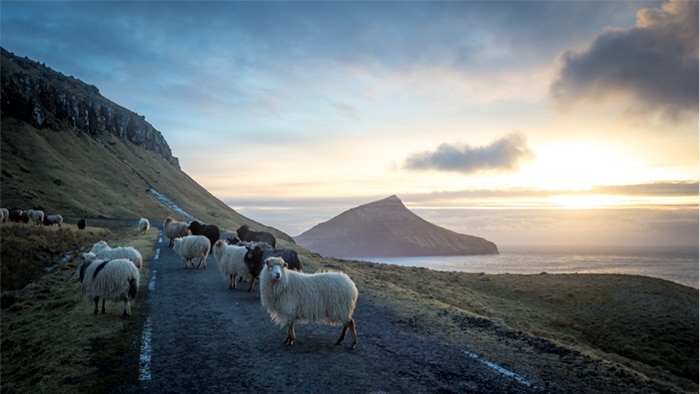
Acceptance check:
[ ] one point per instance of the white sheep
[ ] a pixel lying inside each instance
(192, 247)
(289, 296)
(104, 251)
(50, 220)
(174, 229)
(5, 213)
(231, 262)
(144, 225)
(37, 217)
(114, 280)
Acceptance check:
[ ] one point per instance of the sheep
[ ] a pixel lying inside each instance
(326, 297)
(82, 223)
(103, 251)
(191, 247)
(174, 229)
(5, 213)
(144, 225)
(245, 234)
(15, 215)
(114, 280)
(208, 230)
(37, 217)
(25, 217)
(231, 262)
(257, 254)
(50, 220)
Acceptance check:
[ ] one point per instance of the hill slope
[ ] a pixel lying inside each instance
(118, 167)
(387, 228)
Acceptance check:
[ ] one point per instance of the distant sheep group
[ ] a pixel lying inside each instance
(38, 217)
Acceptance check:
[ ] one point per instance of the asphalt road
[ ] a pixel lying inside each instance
(202, 337)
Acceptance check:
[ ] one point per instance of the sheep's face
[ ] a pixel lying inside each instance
(275, 267)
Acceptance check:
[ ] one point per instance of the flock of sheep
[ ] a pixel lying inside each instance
(37, 217)
(288, 294)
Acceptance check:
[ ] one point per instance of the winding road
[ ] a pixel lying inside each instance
(201, 337)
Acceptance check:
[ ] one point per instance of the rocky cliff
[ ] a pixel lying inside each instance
(44, 98)
(388, 228)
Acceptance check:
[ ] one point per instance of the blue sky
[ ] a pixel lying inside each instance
(509, 120)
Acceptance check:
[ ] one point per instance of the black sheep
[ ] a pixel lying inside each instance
(210, 231)
(245, 234)
(256, 255)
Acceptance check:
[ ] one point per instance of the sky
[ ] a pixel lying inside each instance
(523, 122)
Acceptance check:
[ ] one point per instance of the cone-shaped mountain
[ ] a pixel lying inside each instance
(387, 228)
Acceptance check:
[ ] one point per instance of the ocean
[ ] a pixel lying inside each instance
(677, 264)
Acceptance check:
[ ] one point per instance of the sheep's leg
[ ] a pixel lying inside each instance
(103, 306)
(127, 309)
(233, 281)
(97, 303)
(291, 335)
(350, 324)
(252, 284)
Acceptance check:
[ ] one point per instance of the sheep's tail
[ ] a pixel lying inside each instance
(133, 287)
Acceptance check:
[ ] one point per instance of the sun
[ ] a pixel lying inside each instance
(579, 166)
(588, 201)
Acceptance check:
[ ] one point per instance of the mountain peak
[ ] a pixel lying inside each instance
(387, 228)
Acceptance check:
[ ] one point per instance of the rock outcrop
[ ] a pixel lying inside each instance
(387, 228)
(44, 98)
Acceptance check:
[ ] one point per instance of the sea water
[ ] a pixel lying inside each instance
(677, 264)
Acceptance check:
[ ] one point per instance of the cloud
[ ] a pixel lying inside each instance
(504, 154)
(654, 62)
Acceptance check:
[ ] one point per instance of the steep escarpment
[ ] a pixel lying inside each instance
(387, 228)
(66, 149)
(47, 99)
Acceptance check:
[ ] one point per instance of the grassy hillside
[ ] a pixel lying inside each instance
(72, 174)
(626, 329)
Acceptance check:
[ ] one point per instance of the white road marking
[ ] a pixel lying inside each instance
(145, 358)
(499, 369)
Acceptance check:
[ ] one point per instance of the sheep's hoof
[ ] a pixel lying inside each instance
(289, 341)
(94, 312)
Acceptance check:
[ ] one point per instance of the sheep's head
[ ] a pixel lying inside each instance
(275, 266)
(98, 246)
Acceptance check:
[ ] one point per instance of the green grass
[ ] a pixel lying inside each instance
(51, 342)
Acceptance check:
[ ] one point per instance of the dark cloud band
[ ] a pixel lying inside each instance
(504, 154)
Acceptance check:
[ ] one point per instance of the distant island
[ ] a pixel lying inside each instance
(386, 228)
